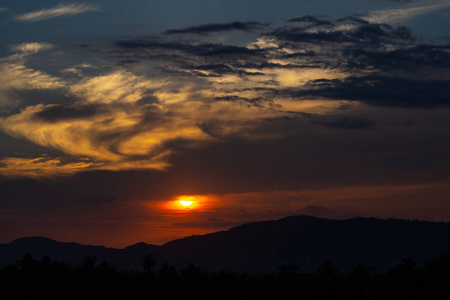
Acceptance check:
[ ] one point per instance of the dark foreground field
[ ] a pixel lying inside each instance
(47, 279)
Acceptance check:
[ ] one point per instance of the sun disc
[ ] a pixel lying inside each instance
(186, 203)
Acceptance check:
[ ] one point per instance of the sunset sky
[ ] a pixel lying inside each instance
(112, 111)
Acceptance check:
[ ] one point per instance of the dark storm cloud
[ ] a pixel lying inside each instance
(217, 27)
(381, 90)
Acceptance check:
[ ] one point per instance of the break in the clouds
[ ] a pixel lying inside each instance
(57, 11)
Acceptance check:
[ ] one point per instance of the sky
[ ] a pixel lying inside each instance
(113, 111)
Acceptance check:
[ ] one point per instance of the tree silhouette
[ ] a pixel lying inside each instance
(88, 263)
(328, 270)
(288, 269)
(327, 277)
(362, 272)
(46, 279)
(149, 263)
(361, 277)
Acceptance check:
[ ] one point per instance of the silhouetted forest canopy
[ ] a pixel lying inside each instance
(44, 278)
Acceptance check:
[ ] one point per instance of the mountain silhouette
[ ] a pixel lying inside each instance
(262, 247)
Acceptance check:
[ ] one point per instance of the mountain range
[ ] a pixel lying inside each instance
(262, 247)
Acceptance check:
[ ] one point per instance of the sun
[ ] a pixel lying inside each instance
(189, 203)
(186, 202)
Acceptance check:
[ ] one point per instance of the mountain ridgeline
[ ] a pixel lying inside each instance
(262, 247)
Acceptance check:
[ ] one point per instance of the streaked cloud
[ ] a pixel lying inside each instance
(41, 167)
(119, 86)
(57, 11)
(29, 48)
(16, 77)
(403, 14)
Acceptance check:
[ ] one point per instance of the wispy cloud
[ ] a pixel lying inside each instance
(41, 167)
(404, 14)
(29, 48)
(57, 11)
(16, 77)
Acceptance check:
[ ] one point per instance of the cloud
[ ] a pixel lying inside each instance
(346, 31)
(171, 96)
(403, 59)
(400, 15)
(218, 27)
(58, 113)
(57, 11)
(30, 48)
(105, 118)
(381, 91)
(16, 78)
(118, 86)
(317, 21)
(41, 167)
(200, 49)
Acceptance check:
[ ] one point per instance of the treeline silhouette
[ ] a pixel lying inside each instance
(29, 278)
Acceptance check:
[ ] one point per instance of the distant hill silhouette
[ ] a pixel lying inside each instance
(263, 246)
